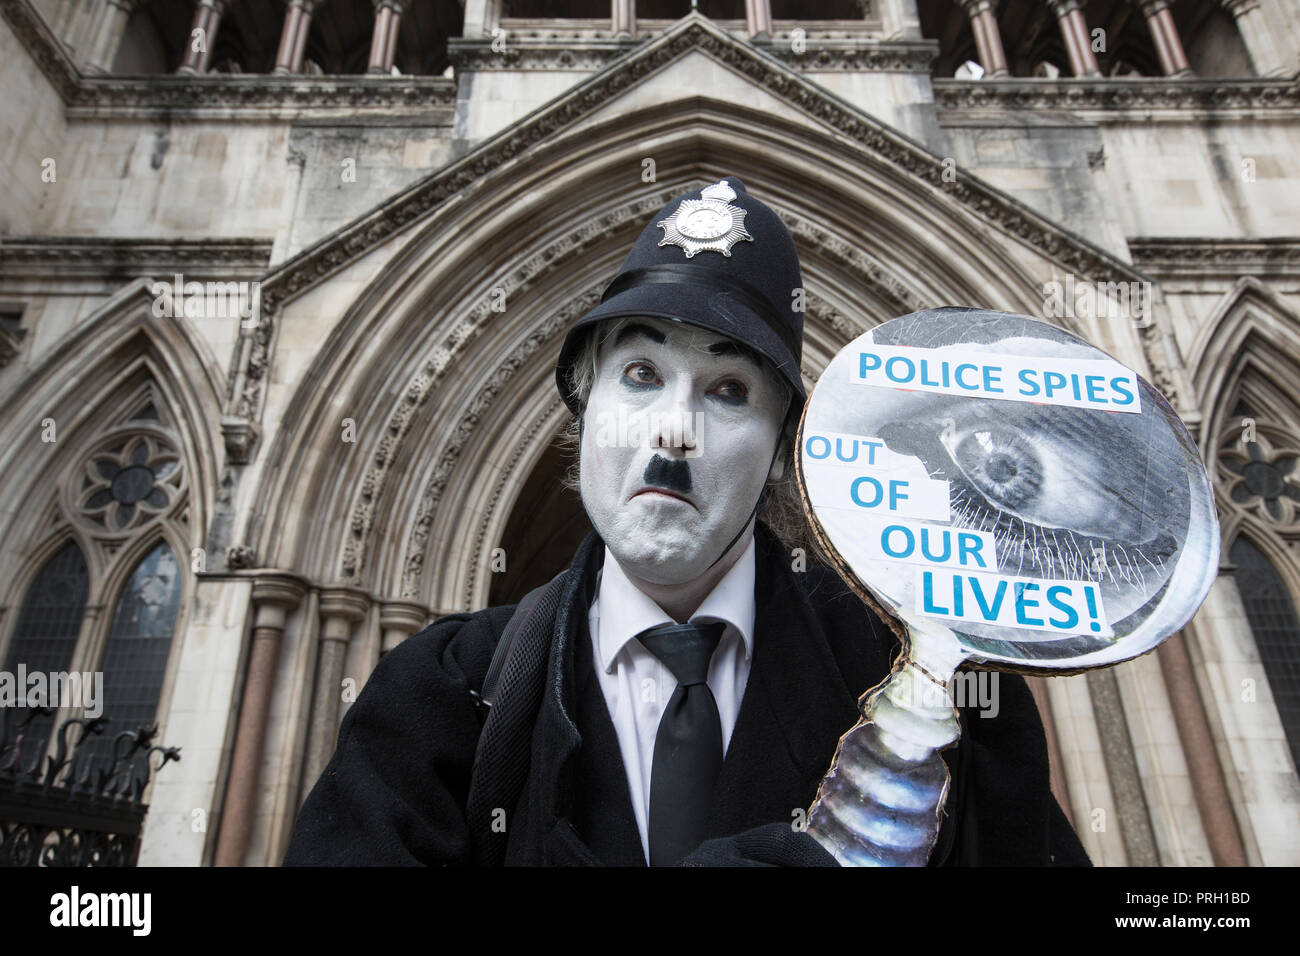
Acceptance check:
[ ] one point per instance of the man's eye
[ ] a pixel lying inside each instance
(731, 390)
(640, 373)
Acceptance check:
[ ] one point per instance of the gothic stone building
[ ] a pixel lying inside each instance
(234, 505)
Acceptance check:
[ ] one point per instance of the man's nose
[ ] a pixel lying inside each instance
(674, 418)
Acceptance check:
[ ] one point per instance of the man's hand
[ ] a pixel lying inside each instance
(774, 844)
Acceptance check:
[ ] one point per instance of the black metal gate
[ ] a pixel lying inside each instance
(77, 807)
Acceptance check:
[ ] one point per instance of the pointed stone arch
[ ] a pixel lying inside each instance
(1245, 367)
(1251, 330)
(421, 356)
(121, 371)
(133, 406)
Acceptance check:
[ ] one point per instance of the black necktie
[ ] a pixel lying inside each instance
(688, 745)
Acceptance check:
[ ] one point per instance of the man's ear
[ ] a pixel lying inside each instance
(778, 465)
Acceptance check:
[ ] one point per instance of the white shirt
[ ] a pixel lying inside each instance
(637, 686)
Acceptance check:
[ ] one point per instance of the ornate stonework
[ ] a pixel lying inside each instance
(313, 265)
(857, 260)
(591, 53)
(241, 558)
(126, 482)
(1258, 470)
(42, 45)
(1120, 99)
(580, 54)
(260, 96)
(413, 565)
(858, 56)
(527, 437)
(97, 256)
(216, 94)
(130, 483)
(1224, 258)
(240, 435)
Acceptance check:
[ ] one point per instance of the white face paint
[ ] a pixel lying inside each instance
(706, 410)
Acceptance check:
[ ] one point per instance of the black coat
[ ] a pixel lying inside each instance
(395, 790)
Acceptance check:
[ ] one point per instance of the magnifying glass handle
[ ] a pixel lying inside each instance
(879, 803)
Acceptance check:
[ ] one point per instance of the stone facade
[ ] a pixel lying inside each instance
(356, 448)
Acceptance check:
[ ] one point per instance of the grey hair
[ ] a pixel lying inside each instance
(780, 507)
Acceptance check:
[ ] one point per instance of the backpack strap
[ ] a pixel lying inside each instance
(507, 644)
(509, 700)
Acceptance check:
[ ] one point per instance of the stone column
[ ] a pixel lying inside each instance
(293, 38)
(1074, 33)
(383, 42)
(758, 18)
(207, 18)
(988, 41)
(1265, 54)
(340, 608)
(481, 16)
(399, 620)
(108, 35)
(622, 18)
(273, 596)
(1056, 765)
(1208, 785)
(1165, 36)
(1122, 770)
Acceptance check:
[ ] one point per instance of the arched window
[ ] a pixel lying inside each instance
(139, 641)
(123, 497)
(1211, 38)
(1272, 616)
(45, 635)
(339, 39)
(1257, 467)
(155, 38)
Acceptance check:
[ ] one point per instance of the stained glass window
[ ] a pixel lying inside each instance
(1272, 616)
(139, 641)
(45, 635)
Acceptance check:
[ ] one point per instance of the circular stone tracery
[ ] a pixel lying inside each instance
(1257, 470)
(129, 480)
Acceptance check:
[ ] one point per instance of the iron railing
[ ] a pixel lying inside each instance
(76, 807)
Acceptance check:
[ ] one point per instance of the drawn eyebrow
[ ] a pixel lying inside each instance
(719, 348)
(639, 329)
(728, 347)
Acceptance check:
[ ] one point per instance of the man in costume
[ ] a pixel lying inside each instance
(675, 697)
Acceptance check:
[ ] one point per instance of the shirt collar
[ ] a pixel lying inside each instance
(625, 611)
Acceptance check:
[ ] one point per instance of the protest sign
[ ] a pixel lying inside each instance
(1004, 478)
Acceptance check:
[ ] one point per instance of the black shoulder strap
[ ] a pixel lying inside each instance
(506, 643)
(514, 683)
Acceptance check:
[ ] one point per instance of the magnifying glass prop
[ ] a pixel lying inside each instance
(1007, 497)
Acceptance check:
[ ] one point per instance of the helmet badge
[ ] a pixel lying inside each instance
(707, 223)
